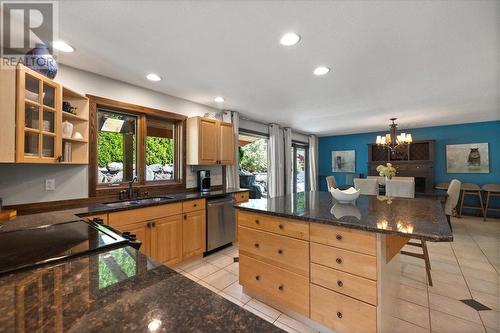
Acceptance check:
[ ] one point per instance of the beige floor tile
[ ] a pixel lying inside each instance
(448, 277)
(220, 260)
(414, 295)
(233, 268)
(236, 290)
(258, 313)
(483, 286)
(412, 283)
(201, 270)
(188, 263)
(478, 265)
(221, 279)
(453, 307)
(264, 308)
(444, 323)
(401, 326)
(189, 276)
(295, 324)
(490, 275)
(491, 330)
(491, 319)
(206, 285)
(452, 290)
(491, 301)
(445, 267)
(412, 313)
(413, 272)
(285, 327)
(231, 298)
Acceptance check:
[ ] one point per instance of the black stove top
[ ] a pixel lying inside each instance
(28, 248)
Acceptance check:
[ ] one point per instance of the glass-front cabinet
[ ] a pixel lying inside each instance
(38, 118)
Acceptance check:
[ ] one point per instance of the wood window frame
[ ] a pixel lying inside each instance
(142, 112)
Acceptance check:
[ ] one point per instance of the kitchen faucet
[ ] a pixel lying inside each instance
(130, 189)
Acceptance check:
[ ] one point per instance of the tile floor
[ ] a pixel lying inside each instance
(468, 268)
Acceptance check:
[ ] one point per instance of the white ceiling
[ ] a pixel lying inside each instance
(425, 62)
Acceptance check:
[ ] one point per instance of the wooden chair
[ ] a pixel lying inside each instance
(366, 186)
(331, 182)
(491, 190)
(470, 189)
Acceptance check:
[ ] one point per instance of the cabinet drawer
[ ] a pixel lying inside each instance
(341, 313)
(143, 214)
(278, 225)
(349, 239)
(278, 285)
(241, 196)
(281, 251)
(345, 283)
(193, 205)
(344, 260)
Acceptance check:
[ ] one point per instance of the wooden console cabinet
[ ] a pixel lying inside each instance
(209, 142)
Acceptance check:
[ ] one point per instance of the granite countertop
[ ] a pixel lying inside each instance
(421, 218)
(59, 216)
(117, 290)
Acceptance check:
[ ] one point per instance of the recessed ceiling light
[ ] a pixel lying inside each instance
(153, 77)
(321, 70)
(62, 46)
(290, 38)
(219, 99)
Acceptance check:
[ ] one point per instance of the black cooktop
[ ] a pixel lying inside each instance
(28, 248)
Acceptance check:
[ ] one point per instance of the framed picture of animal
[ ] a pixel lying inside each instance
(468, 158)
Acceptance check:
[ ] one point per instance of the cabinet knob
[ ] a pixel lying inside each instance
(280, 287)
(338, 237)
(339, 314)
(185, 216)
(256, 245)
(281, 226)
(340, 283)
(257, 221)
(257, 277)
(280, 251)
(195, 205)
(338, 260)
(154, 224)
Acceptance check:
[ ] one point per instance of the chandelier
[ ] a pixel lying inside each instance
(392, 140)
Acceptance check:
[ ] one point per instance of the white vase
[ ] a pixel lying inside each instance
(67, 129)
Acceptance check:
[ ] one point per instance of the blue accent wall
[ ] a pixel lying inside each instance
(443, 135)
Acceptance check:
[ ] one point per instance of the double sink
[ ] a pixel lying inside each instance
(138, 202)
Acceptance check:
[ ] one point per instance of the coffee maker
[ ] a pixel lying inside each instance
(204, 180)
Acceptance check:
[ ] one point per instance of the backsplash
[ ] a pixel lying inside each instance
(215, 175)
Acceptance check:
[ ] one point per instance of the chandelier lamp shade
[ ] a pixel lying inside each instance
(392, 140)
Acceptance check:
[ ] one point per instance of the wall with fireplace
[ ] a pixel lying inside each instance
(443, 135)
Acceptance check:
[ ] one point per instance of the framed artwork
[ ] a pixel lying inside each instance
(467, 158)
(344, 161)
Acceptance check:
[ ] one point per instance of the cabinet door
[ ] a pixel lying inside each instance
(193, 233)
(208, 138)
(226, 144)
(142, 231)
(166, 236)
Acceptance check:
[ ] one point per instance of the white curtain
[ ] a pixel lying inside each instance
(275, 159)
(313, 163)
(287, 136)
(233, 171)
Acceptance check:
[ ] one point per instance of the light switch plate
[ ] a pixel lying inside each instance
(50, 184)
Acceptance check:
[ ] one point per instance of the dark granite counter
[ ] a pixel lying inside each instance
(421, 217)
(118, 290)
(59, 216)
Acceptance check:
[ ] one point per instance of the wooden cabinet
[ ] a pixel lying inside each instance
(169, 233)
(209, 142)
(193, 233)
(32, 117)
(241, 197)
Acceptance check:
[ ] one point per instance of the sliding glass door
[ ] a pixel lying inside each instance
(300, 167)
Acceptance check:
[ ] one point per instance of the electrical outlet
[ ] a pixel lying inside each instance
(50, 184)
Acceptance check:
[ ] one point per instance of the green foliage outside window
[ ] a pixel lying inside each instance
(159, 150)
(253, 156)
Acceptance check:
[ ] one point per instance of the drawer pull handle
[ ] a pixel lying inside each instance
(280, 251)
(281, 226)
(339, 314)
(257, 221)
(340, 283)
(339, 237)
(280, 287)
(256, 245)
(195, 205)
(257, 277)
(338, 260)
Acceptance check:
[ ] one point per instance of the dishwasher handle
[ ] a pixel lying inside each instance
(220, 202)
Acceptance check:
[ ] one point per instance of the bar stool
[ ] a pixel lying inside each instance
(471, 190)
(491, 190)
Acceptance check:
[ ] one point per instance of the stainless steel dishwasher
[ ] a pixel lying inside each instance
(221, 224)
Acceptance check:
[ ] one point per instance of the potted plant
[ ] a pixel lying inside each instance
(387, 171)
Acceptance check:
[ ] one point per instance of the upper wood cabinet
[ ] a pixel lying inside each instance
(32, 118)
(209, 142)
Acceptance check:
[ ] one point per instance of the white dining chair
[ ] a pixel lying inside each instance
(451, 203)
(366, 186)
(331, 182)
(402, 188)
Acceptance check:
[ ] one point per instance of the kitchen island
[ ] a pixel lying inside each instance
(330, 264)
